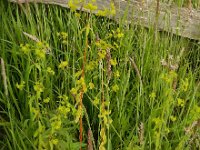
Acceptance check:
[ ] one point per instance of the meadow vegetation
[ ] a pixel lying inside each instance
(72, 80)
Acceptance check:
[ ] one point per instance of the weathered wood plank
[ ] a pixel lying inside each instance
(180, 21)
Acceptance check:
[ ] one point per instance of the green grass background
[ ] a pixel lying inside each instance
(142, 111)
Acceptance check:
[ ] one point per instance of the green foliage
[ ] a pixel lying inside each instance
(140, 88)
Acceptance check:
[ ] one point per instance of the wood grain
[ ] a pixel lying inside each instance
(170, 18)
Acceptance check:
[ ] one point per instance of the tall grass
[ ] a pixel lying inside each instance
(184, 3)
(139, 92)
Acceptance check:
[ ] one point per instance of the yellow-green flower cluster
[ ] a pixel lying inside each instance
(78, 73)
(64, 99)
(81, 83)
(152, 96)
(50, 71)
(65, 106)
(79, 113)
(91, 85)
(104, 114)
(63, 65)
(105, 122)
(78, 92)
(56, 123)
(63, 37)
(38, 134)
(74, 91)
(157, 121)
(39, 53)
(113, 62)
(180, 102)
(77, 15)
(184, 85)
(103, 45)
(46, 100)
(38, 87)
(117, 74)
(96, 101)
(173, 118)
(26, 49)
(40, 49)
(52, 142)
(118, 33)
(107, 12)
(103, 139)
(91, 65)
(74, 4)
(115, 88)
(36, 113)
(102, 54)
(21, 85)
(169, 77)
(63, 109)
(91, 6)
(103, 13)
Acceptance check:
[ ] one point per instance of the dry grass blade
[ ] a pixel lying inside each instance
(3, 73)
(32, 37)
(190, 5)
(108, 58)
(89, 147)
(141, 133)
(136, 69)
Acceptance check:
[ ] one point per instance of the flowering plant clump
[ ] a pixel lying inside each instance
(50, 71)
(95, 83)
(63, 65)
(63, 37)
(26, 49)
(21, 85)
(39, 50)
(73, 4)
(38, 87)
(90, 6)
(107, 12)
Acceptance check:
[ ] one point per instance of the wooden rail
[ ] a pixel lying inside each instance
(184, 22)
